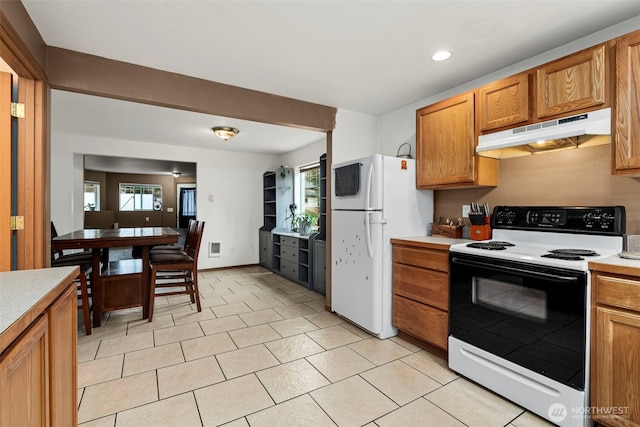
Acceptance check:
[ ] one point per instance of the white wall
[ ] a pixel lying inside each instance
(234, 179)
(355, 136)
(303, 156)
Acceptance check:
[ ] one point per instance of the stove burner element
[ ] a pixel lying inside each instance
(578, 252)
(566, 257)
(487, 246)
(496, 242)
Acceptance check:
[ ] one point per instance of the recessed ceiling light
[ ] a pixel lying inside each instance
(441, 55)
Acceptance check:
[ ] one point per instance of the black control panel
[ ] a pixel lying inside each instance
(609, 220)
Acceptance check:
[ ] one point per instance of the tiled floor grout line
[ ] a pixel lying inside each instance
(283, 295)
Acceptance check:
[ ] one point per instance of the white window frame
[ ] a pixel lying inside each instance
(156, 196)
(96, 186)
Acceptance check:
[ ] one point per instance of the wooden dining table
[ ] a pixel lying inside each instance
(99, 240)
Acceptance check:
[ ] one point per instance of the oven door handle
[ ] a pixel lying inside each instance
(524, 272)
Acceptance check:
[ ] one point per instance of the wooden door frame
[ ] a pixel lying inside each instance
(34, 242)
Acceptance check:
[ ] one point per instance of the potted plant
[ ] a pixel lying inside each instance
(284, 173)
(305, 221)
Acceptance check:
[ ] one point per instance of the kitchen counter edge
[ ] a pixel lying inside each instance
(616, 265)
(26, 294)
(429, 242)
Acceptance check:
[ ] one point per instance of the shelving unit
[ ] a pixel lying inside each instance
(322, 221)
(318, 241)
(277, 191)
(269, 201)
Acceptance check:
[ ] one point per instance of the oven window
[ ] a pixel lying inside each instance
(510, 298)
(529, 315)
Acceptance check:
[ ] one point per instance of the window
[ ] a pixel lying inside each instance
(140, 197)
(91, 196)
(310, 189)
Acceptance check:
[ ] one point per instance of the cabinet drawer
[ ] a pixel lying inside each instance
(289, 241)
(618, 292)
(289, 269)
(426, 286)
(421, 321)
(289, 253)
(425, 258)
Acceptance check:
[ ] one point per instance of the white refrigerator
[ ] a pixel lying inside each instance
(373, 200)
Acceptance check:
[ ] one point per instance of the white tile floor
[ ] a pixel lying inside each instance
(264, 352)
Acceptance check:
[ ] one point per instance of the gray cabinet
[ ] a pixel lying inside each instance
(291, 258)
(266, 249)
(319, 266)
(277, 190)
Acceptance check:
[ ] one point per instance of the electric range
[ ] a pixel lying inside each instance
(519, 305)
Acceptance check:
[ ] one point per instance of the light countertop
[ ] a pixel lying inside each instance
(21, 290)
(291, 234)
(617, 265)
(432, 242)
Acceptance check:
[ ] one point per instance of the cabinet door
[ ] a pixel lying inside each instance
(445, 139)
(627, 122)
(266, 248)
(573, 83)
(319, 267)
(616, 382)
(421, 321)
(63, 326)
(24, 379)
(505, 102)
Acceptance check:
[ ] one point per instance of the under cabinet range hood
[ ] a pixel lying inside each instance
(586, 129)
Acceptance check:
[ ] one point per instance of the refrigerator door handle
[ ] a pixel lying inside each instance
(367, 232)
(367, 193)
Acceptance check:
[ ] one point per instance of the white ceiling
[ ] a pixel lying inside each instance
(365, 56)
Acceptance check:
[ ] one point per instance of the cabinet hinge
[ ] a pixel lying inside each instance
(17, 223)
(17, 110)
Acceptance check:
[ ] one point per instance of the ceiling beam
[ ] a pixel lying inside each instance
(79, 72)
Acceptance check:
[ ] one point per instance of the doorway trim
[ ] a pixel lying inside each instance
(32, 168)
(179, 186)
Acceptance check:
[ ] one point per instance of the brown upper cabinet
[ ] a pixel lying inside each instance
(446, 141)
(626, 129)
(575, 83)
(507, 102)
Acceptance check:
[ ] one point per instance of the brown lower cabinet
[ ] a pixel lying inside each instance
(38, 379)
(615, 348)
(421, 292)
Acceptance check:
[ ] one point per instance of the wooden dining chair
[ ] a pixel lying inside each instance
(189, 240)
(176, 269)
(80, 257)
(84, 261)
(83, 288)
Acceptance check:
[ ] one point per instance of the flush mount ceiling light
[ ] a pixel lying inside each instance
(441, 55)
(225, 132)
(176, 174)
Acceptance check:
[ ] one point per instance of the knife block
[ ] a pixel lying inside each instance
(481, 232)
(450, 231)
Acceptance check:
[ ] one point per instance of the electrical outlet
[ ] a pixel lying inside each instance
(146, 219)
(465, 211)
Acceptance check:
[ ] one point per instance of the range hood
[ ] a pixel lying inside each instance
(587, 129)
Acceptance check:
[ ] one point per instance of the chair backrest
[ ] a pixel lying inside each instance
(194, 249)
(54, 233)
(192, 231)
